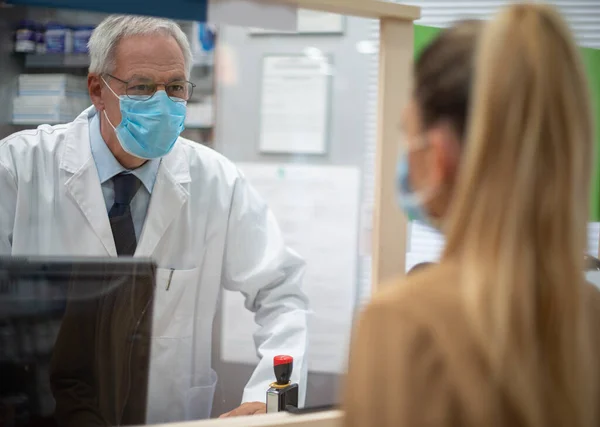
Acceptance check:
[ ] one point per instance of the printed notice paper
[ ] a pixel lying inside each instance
(317, 209)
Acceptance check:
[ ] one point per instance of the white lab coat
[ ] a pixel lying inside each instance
(204, 221)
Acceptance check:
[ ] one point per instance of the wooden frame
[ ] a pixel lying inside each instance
(375, 9)
(390, 225)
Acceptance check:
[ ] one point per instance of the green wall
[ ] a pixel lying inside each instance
(424, 35)
(592, 64)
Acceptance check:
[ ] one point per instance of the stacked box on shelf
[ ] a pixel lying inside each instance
(47, 109)
(49, 98)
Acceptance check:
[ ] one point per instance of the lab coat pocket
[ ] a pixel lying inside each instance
(199, 400)
(174, 302)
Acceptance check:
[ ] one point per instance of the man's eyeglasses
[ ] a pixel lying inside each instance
(143, 89)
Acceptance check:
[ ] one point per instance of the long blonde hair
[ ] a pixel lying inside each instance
(517, 222)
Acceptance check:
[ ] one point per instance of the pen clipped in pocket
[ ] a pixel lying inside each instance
(175, 302)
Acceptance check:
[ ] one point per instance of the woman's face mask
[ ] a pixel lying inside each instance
(413, 201)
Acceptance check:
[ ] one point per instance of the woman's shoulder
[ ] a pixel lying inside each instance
(402, 350)
(431, 289)
(404, 318)
(426, 306)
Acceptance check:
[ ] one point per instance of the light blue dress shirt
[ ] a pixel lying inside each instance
(108, 167)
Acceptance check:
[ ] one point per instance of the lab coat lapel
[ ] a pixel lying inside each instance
(168, 197)
(84, 185)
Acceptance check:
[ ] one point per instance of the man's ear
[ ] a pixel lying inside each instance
(95, 85)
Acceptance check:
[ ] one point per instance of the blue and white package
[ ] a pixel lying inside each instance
(206, 36)
(59, 39)
(25, 37)
(81, 37)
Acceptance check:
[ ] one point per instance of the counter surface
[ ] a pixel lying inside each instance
(319, 419)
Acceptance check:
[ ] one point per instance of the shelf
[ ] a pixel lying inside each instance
(57, 60)
(82, 60)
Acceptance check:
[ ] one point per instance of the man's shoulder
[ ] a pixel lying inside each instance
(44, 139)
(206, 160)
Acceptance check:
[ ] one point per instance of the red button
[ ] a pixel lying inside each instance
(282, 360)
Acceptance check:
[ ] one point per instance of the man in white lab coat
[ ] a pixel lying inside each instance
(120, 181)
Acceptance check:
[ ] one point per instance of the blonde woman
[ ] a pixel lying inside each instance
(504, 331)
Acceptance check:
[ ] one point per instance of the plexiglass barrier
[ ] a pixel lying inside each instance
(257, 227)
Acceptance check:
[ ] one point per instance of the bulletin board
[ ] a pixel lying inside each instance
(317, 208)
(295, 104)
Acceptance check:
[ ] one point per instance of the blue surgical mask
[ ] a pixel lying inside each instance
(149, 128)
(410, 201)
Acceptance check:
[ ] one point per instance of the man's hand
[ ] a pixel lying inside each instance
(251, 408)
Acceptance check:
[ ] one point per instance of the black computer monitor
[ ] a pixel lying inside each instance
(74, 340)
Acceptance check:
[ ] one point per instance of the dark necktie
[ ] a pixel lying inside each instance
(121, 222)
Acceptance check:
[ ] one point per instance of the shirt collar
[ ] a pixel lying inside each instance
(108, 166)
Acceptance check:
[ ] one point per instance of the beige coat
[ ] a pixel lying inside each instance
(414, 361)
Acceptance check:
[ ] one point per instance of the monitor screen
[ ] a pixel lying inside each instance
(74, 341)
